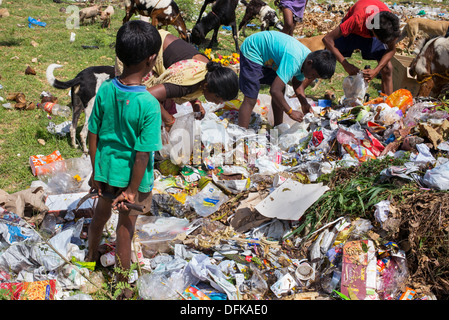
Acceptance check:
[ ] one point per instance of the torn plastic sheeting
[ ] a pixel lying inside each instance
(13, 229)
(49, 258)
(424, 155)
(17, 257)
(290, 200)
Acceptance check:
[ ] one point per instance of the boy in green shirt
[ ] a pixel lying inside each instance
(124, 133)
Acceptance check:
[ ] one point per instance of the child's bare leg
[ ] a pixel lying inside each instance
(101, 216)
(125, 233)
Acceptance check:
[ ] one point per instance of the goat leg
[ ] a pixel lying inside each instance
(203, 8)
(214, 39)
(235, 36)
(128, 15)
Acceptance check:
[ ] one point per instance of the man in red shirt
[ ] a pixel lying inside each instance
(372, 28)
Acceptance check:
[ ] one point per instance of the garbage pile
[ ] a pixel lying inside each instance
(323, 17)
(231, 208)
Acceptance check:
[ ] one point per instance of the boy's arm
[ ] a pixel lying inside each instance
(277, 93)
(299, 87)
(93, 143)
(139, 167)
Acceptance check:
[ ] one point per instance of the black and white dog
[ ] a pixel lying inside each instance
(83, 90)
(261, 10)
(222, 13)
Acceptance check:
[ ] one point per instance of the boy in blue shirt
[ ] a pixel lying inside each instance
(124, 133)
(275, 58)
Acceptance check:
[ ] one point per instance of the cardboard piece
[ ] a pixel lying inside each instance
(290, 200)
(359, 273)
(401, 74)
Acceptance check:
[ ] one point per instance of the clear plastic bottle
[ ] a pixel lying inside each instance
(56, 109)
(48, 225)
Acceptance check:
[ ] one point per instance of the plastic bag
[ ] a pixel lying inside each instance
(70, 176)
(163, 285)
(401, 99)
(360, 149)
(354, 88)
(180, 140)
(438, 177)
(208, 200)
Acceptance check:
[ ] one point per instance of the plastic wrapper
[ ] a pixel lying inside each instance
(393, 272)
(201, 267)
(13, 229)
(41, 164)
(256, 286)
(284, 285)
(401, 99)
(208, 200)
(359, 274)
(165, 204)
(359, 148)
(37, 290)
(233, 179)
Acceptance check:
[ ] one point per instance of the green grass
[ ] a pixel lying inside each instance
(20, 130)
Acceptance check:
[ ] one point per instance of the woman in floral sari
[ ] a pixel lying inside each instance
(182, 74)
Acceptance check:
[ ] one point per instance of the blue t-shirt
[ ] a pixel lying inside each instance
(276, 50)
(126, 119)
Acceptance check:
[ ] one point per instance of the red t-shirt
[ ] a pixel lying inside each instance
(359, 16)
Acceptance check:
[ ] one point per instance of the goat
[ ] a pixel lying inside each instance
(161, 12)
(89, 13)
(431, 66)
(203, 8)
(222, 13)
(105, 16)
(261, 10)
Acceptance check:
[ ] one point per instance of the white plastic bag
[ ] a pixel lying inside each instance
(438, 177)
(180, 140)
(354, 88)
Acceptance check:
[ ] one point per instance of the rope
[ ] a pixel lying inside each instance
(427, 78)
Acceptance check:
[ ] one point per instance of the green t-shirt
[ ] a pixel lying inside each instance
(126, 119)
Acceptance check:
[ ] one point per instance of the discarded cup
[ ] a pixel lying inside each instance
(304, 272)
(108, 259)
